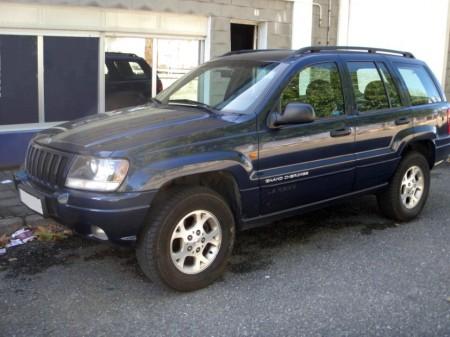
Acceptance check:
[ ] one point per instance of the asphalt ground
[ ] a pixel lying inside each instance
(340, 271)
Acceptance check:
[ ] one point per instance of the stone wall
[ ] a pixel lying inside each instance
(277, 14)
(320, 31)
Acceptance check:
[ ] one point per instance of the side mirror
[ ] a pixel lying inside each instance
(294, 113)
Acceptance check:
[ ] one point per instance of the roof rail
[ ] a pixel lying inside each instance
(318, 49)
(245, 51)
(121, 54)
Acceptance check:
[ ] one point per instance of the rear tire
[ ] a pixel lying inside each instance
(408, 189)
(187, 239)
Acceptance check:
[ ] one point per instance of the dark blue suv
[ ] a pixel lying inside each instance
(247, 138)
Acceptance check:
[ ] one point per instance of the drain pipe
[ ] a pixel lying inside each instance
(321, 18)
(329, 22)
(320, 13)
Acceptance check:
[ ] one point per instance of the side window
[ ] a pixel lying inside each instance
(137, 70)
(106, 70)
(421, 87)
(394, 97)
(129, 70)
(318, 85)
(368, 87)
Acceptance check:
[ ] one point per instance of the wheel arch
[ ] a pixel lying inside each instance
(424, 146)
(222, 182)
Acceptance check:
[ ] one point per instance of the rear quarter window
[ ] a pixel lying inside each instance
(420, 85)
(130, 70)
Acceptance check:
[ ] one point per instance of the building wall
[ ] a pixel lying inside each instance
(277, 14)
(325, 33)
(447, 73)
(422, 28)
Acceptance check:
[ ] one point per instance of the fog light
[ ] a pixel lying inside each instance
(98, 233)
(63, 198)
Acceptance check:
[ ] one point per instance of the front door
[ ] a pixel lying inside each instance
(303, 164)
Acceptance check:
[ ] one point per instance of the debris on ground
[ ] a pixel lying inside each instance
(20, 237)
(6, 181)
(50, 232)
(4, 239)
(24, 234)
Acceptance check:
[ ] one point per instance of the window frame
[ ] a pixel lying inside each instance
(395, 82)
(298, 70)
(406, 94)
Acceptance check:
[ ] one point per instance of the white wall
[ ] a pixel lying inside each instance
(419, 26)
(76, 18)
(302, 23)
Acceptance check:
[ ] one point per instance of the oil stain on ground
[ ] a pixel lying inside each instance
(37, 256)
(378, 226)
(125, 254)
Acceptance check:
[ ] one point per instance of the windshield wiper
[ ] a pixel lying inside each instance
(190, 102)
(155, 100)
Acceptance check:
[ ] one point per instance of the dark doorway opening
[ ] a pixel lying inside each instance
(242, 36)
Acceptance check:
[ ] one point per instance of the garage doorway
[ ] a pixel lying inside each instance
(243, 36)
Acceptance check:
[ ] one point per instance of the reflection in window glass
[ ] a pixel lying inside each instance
(368, 87)
(129, 45)
(176, 58)
(421, 87)
(394, 96)
(189, 91)
(225, 86)
(318, 85)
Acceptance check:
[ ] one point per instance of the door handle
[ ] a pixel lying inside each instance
(341, 132)
(402, 121)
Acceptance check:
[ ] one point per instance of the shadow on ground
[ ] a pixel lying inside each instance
(253, 248)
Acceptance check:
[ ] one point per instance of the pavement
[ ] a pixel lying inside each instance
(341, 271)
(13, 214)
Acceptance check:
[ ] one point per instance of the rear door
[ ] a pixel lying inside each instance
(381, 114)
(302, 164)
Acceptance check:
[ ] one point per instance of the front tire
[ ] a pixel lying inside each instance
(187, 239)
(408, 190)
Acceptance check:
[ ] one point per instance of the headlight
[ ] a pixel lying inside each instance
(97, 174)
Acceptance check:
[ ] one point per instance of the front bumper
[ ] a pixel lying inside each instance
(119, 215)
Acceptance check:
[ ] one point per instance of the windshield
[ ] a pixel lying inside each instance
(226, 86)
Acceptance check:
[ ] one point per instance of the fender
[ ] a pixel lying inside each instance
(161, 172)
(416, 133)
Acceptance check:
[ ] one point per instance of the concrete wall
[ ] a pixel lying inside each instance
(320, 31)
(276, 13)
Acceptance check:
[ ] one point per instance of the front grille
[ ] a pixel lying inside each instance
(46, 166)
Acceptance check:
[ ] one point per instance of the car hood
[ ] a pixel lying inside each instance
(123, 129)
